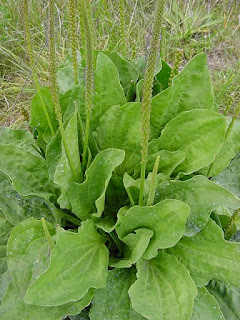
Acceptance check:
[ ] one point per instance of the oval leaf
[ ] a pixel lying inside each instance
(228, 298)
(18, 208)
(230, 148)
(108, 90)
(113, 301)
(28, 173)
(78, 262)
(14, 308)
(230, 177)
(199, 133)
(119, 128)
(191, 89)
(166, 219)
(127, 72)
(28, 253)
(206, 307)
(164, 289)
(202, 195)
(89, 197)
(207, 255)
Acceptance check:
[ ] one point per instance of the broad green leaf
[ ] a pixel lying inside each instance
(115, 205)
(66, 173)
(66, 80)
(191, 89)
(119, 128)
(136, 245)
(53, 154)
(131, 92)
(140, 64)
(68, 61)
(38, 115)
(19, 138)
(163, 75)
(127, 72)
(229, 150)
(108, 90)
(207, 255)
(230, 177)
(202, 195)
(5, 280)
(89, 197)
(78, 99)
(18, 208)
(164, 289)
(166, 219)
(228, 298)
(28, 253)
(206, 307)
(27, 172)
(5, 229)
(199, 133)
(79, 261)
(14, 308)
(113, 302)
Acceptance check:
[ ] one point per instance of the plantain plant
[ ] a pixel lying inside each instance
(90, 232)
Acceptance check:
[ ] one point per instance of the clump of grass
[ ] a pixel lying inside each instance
(192, 26)
(122, 26)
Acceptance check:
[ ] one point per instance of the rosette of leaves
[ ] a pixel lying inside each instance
(83, 247)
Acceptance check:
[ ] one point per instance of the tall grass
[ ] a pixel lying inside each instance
(192, 26)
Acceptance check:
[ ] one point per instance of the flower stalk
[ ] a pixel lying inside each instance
(87, 19)
(73, 41)
(54, 88)
(175, 70)
(147, 90)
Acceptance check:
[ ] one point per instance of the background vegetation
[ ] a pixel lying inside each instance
(190, 27)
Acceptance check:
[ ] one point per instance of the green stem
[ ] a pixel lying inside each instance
(86, 14)
(30, 56)
(47, 234)
(147, 90)
(153, 183)
(70, 218)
